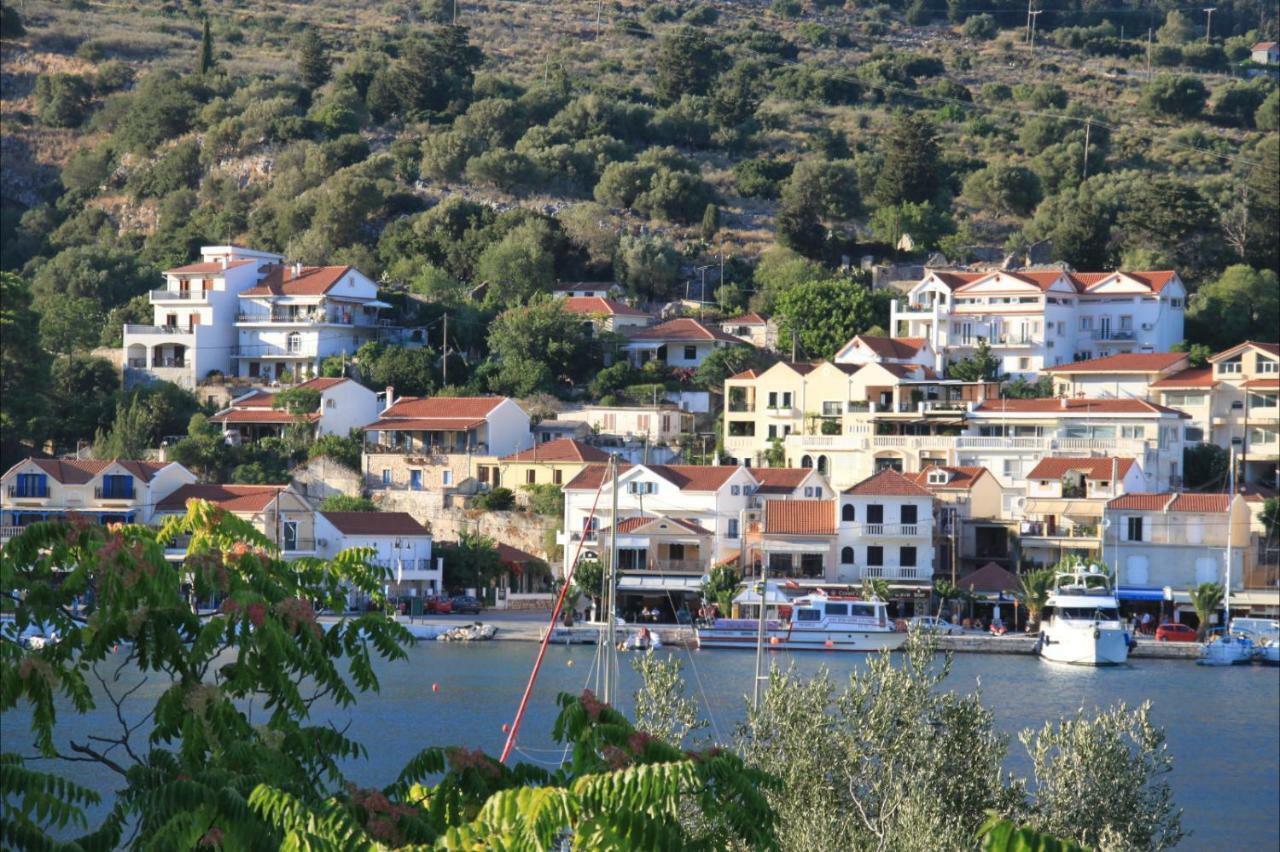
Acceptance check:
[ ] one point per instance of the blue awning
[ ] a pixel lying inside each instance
(1137, 593)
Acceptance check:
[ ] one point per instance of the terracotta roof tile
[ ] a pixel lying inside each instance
(888, 483)
(559, 450)
(80, 471)
(959, 478)
(746, 374)
(1172, 502)
(800, 517)
(599, 305)
(1272, 383)
(375, 523)
(270, 416)
(684, 328)
(752, 318)
(684, 476)
(1195, 377)
(1130, 362)
(310, 281)
(509, 555)
(1155, 281)
(1198, 503)
(424, 424)
(233, 498)
(469, 407)
(1141, 502)
(780, 480)
(891, 347)
(1271, 348)
(322, 383)
(659, 523)
(954, 280)
(1074, 405)
(1094, 467)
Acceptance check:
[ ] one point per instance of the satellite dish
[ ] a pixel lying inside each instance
(1106, 523)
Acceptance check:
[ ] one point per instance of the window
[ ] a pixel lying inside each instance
(32, 485)
(294, 342)
(1176, 303)
(846, 556)
(1133, 432)
(786, 399)
(1232, 366)
(907, 557)
(484, 473)
(1024, 363)
(1184, 398)
(908, 513)
(557, 476)
(1126, 322)
(290, 531)
(847, 512)
(641, 487)
(875, 555)
(806, 461)
(1268, 365)
(773, 431)
(415, 480)
(530, 477)
(1086, 323)
(1193, 434)
(831, 409)
(642, 423)
(675, 551)
(691, 353)
(875, 514)
(1133, 530)
(837, 609)
(735, 490)
(330, 403)
(1263, 400)
(732, 531)
(116, 487)
(386, 476)
(773, 399)
(938, 477)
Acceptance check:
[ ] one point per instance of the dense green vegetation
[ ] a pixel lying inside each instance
(470, 166)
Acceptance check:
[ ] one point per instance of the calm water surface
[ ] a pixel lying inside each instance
(1223, 724)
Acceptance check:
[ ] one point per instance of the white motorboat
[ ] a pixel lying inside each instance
(818, 622)
(1267, 652)
(642, 640)
(1081, 623)
(585, 635)
(1227, 649)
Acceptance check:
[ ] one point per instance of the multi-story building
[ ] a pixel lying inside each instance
(870, 349)
(1060, 511)
(1246, 408)
(1177, 541)
(969, 529)
(434, 443)
(886, 532)
(194, 331)
(1122, 376)
(399, 544)
(118, 491)
(1036, 319)
(296, 316)
(662, 423)
(680, 342)
(343, 405)
(277, 511)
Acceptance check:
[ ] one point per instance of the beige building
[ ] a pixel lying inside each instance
(753, 328)
(1060, 514)
(1127, 375)
(552, 463)
(968, 522)
(277, 511)
(605, 314)
(658, 424)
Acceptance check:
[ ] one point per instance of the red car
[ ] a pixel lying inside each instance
(1175, 633)
(438, 606)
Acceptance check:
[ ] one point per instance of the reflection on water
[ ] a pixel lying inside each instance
(1223, 724)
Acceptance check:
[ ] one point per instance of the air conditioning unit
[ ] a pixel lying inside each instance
(1146, 326)
(323, 542)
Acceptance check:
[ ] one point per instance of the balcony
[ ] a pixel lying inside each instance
(158, 297)
(100, 494)
(918, 530)
(1084, 534)
(739, 443)
(1104, 334)
(282, 318)
(167, 330)
(892, 572)
(27, 493)
(427, 454)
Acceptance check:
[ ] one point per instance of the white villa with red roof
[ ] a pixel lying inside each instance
(869, 349)
(683, 342)
(344, 405)
(605, 314)
(244, 312)
(1035, 319)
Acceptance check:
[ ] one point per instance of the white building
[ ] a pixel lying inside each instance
(869, 349)
(344, 405)
(885, 531)
(606, 314)
(1035, 319)
(587, 290)
(400, 545)
(1130, 375)
(118, 491)
(680, 342)
(660, 424)
(194, 330)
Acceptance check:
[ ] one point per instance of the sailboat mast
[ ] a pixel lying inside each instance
(1226, 591)
(611, 587)
(755, 687)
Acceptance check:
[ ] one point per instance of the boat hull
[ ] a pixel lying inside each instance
(1268, 655)
(802, 640)
(1080, 647)
(1235, 651)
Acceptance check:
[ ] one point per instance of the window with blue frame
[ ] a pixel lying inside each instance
(117, 487)
(32, 485)
(415, 480)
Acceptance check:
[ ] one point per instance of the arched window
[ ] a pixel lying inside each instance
(822, 464)
(847, 513)
(806, 461)
(846, 554)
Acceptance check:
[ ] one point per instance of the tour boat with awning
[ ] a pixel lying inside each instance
(814, 622)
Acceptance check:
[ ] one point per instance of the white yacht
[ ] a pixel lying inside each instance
(1081, 623)
(817, 622)
(1227, 649)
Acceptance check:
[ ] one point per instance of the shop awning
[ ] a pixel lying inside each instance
(660, 583)
(1138, 593)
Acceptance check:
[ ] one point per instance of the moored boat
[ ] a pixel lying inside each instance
(1227, 649)
(817, 622)
(1081, 625)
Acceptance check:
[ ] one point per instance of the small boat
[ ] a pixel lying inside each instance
(817, 622)
(1267, 652)
(1227, 649)
(642, 640)
(1081, 623)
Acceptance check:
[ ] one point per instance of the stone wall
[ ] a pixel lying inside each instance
(322, 476)
(447, 522)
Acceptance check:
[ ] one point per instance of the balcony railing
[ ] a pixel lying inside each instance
(1038, 529)
(430, 454)
(134, 328)
(112, 494)
(27, 493)
(178, 296)
(893, 530)
(295, 319)
(891, 572)
(1109, 334)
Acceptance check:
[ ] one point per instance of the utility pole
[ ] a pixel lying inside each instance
(1085, 173)
(611, 603)
(599, 10)
(1026, 32)
(1034, 18)
(1208, 23)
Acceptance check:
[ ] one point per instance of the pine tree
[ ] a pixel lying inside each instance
(710, 221)
(313, 61)
(206, 49)
(910, 171)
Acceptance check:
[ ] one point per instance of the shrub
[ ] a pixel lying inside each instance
(982, 27)
(61, 99)
(499, 499)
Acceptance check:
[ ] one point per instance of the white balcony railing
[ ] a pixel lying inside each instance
(892, 572)
(917, 530)
(178, 296)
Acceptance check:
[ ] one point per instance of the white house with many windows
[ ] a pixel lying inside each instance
(343, 405)
(1035, 319)
(398, 543)
(885, 530)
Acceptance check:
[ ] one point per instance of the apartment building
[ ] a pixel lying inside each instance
(680, 342)
(1245, 408)
(194, 326)
(969, 529)
(661, 563)
(397, 543)
(1178, 541)
(1034, 319)
(1060, 511)
(434, 443)
(885, 531)
(104, 492)
(343, 405)
(277, 511)
(1122, 376)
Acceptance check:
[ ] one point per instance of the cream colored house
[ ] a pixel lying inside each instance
(968, 507)
(552, 463)
(1063, 504)
(753, 328)
(277, 511)
(605, 314)
(658, 424)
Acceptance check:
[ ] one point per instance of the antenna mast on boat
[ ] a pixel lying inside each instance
(611, 588)
(1226, 590)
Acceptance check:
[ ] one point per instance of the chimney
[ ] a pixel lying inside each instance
(222, 261)
(1063, 402)
(297, 269)
(391, 395)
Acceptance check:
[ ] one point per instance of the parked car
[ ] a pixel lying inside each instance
(437, 605)
(932, 624)
(1175, 633)
(466, 603)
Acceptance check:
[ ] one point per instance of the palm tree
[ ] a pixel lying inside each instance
(946, 591)
(1206, 598)
(875, 588)
(1033, 591)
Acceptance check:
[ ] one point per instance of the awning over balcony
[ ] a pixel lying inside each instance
(1070, 508)
(664, 583)
(772, 546)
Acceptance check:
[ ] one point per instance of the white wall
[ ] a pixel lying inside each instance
(346, 406)
(508, 429)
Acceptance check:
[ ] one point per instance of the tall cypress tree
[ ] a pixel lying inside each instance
(910, 171)
(313, 60)
(206, 49)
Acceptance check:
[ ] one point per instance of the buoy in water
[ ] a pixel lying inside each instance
(435, 687)
(505, 727)
(569, 664)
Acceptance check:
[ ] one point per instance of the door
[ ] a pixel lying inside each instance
(1104, 328)
(290, 535)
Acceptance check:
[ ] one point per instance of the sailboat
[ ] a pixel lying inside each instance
(1224, 647)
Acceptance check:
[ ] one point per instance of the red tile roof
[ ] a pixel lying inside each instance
(752, 318)
(892, 347)
(233, 498)
(909, 371)
(1173, 502)
(1272, 348)
(960, 478)
(686, 477)
(639, 522)
(470, 407)
(375, 523)
(509, 555)
(800, 517)
(599, 305)
(205, 268)
(1263, 384)
(1155, 281)
(322, 383)
(684, 328)
(954, 280)
(270, 416)
(1075, 405)
(780, 480)
(746, 374)
(424, 424)
(1196, 377)
(310, 281)
(1093, 467)
(559, 450)
(888, 483)
(80, 471)
(1129, 362)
